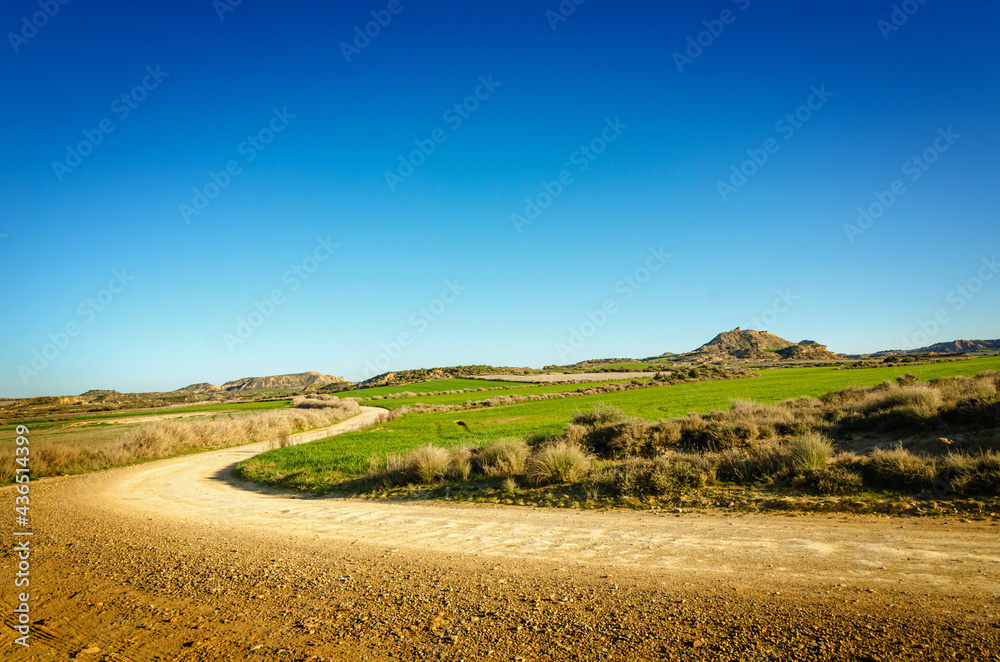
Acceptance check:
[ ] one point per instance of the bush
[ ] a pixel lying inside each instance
(461, 463)
(810, 452)
(504, 457)
(662, 475)
(601, 414)
(897, 468)
(965, 475)
(559, 462)
(429, 463)
(755, 463)
(829, 480)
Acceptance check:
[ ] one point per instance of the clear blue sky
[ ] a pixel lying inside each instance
(311, 127)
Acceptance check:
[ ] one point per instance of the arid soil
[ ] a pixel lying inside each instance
(173, 560)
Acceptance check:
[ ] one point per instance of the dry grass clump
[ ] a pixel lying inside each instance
(809, 452)
(504, 457)
(971, 475)
(662, 475)
(898, 468)
(755, 463)
(558, 462)
(829, 480)
(429, 463)
(601, 414)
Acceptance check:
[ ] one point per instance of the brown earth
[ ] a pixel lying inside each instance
(173, 560)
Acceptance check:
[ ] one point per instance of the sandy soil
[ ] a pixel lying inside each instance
(577, 377)
(174, 560)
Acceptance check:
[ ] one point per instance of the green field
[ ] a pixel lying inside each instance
(460, 398)
(436, 386)
(346, 455)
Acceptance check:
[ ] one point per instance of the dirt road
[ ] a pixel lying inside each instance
(174, 560)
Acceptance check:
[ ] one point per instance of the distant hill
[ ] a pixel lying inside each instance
(952, 347)
(293, 382)
(749, 345)
(430, 374)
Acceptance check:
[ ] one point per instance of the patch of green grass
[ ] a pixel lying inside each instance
(434, 386)
(461, 398)
(320, 464)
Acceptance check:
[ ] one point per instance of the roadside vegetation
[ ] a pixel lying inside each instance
(799, 438)
(161, 439)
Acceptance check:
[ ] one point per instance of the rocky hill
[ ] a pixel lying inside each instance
(293, 382)
(749, 345)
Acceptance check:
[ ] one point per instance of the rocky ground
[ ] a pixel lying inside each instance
(172, 560)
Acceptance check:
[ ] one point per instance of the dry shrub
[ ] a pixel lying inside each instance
(970, 475)
(602, 414)
(461, 463)
(558, 462)
(897, 468)
(829, 480)
(429, 463)
(758, 462)
(504, 457)
(809, 452)
(661, 475)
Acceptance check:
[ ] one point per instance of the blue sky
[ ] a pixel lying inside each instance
(616, 130)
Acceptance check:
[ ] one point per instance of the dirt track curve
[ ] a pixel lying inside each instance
(175, 560)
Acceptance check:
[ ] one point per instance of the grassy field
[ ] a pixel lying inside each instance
(324, 461)
(460, 398)
(436, 386)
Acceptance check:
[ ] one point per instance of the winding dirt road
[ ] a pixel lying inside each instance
(176, 560)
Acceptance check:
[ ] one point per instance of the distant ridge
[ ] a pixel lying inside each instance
(297, 381)
(951, 347)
